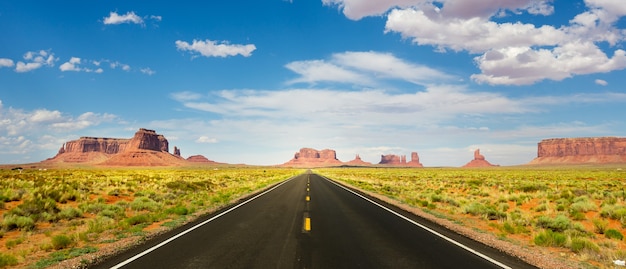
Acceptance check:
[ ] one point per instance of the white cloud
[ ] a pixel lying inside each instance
(117, 64)
(35, 60)
(16, 122)
(71, 65)
(209, 48)
(517, 53)
(601, 82)
(147, 71)
(361, 68)
(4, 62)
(206, 139)
(129, 17)
(321, 71)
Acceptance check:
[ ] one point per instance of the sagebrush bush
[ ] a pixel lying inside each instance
(581, 244)
(61, 241)
(558, 224)
(7, 260)
(549, 238)
(613, 234)
(12, 222)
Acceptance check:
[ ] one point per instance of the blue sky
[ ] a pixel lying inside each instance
(245, 81)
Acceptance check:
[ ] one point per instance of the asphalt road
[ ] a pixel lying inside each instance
(310, 222)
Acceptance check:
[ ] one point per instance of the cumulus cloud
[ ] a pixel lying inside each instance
(74, 65)
(71, 65)
(363, 68)
(601, 82)
(206, 139)
(34, 60)
(129, 17)
(16, 122)
(509, 53)
(210, 48)
(147, 71)
(4, 62)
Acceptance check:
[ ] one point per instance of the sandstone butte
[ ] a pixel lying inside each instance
(478, 161)
(358, 162)
(400, 160)
(599, 150)
(146, 148)
(308, 157)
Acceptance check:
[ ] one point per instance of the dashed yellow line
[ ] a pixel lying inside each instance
(308, 198)
(307, 224)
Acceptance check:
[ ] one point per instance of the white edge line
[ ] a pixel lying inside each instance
(425, 228)
(133, 258)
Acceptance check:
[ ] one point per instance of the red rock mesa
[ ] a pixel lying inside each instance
(397, 160)
(308, 157)
(581, 150)
(478, 161)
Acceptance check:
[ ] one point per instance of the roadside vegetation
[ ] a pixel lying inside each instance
(574, 212)
(47, 216)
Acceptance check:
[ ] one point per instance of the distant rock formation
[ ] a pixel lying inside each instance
(199, 159)
(400, 160)
(176, 151)
(478, 161)
(581, 150)
(146, 148)
(358, 162)
(308, 157)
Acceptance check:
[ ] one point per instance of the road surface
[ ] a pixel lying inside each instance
(311, 222)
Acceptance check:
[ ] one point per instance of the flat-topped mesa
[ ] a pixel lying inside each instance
(400, 160)
(581, 150)
(145, 139)
(311, 157)
(95, 144)
(479, 161)
(146, 148)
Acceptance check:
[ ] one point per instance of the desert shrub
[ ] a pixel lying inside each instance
(7, 260)
(487, 211)
(558, 224)
(62, 255)
(144, 203)
(600, 225)
(99, 224)
(34, 208)
(532, 187)
(178, 210)
(583, 204)
(581, 244)
(549, 238)
(577, 215)
(615, 212)
(70, 213)
(61, 241)
(138, 219)
(18, 222)
(613, 234)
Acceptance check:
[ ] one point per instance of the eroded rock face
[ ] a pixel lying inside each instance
(145, 139)
(145, 148)
(400, 160)
(478, 161)
(358, 162)
(308, 157)
(581, 150)
(199, 159)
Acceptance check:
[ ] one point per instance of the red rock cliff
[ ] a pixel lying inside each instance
(400, 160)
(145, 148)
(581, 150)
(308, 157)
(478, 161)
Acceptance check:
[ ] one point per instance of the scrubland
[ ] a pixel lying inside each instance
(47, 216)
(574, 213)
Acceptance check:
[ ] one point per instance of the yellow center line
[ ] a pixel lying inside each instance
(308, 198)
(307, 224)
